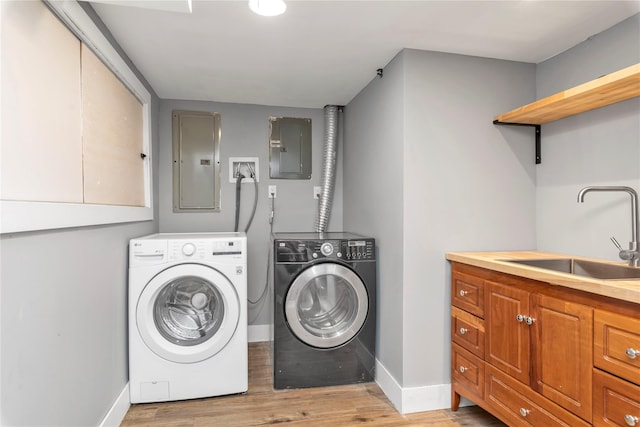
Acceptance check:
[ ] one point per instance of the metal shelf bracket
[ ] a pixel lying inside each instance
(538, 137)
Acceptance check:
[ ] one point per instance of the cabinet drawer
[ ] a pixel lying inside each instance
(616, 345)
(467, 372)
(467, 330)
(521, 406)
(467, 293)
(615, 402)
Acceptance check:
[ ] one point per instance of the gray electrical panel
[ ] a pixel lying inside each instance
(289, 148)
(196, 161)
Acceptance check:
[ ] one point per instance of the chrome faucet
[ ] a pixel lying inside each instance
(632, 255)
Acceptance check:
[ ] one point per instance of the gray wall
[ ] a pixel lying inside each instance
(600, 147)
(373, 198)
(245, 134)
(468, 185)
(63, 296)
(435, 176)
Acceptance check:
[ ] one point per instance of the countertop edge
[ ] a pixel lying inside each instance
(625, 290)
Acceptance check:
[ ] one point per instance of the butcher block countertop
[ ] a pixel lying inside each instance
(625, 289)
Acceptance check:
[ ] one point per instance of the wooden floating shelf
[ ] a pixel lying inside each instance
(609, 89)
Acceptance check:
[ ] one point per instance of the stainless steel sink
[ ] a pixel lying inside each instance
(594, 269)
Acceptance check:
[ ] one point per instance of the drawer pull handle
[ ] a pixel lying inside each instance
(462, 369)
(631, 420)
(632, 353)
(463, 331)
(524, 412)
(463, 292)
(520, 318)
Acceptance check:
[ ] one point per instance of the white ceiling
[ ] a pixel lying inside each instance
(324, 52)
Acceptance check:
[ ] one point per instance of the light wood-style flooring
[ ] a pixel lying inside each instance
(358, 404)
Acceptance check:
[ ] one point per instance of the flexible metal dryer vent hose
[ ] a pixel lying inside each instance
(328, 166)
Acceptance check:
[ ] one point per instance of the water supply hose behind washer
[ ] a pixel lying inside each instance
(239, 179)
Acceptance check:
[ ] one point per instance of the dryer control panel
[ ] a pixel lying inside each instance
(301, 251)
(359, 249)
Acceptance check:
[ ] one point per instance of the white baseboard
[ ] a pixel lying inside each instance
(414, 399)
(257, 333)
(118, 410)
(389, 386)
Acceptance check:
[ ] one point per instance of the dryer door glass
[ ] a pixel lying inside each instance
(188, 310)
(326, 305)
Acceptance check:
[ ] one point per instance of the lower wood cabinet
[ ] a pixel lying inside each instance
(617, 344)
(518, 405)
(543, 342)
(467, 331)
(535, 366)
(562, 352)
(468, 371)
(616, 402)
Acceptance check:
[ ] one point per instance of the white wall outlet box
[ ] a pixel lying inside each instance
(272, 192)
(244, 166)
(317, 191)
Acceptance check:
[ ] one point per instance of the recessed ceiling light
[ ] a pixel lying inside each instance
(268, 7)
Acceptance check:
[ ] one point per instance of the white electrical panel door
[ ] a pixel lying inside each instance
(196, 163)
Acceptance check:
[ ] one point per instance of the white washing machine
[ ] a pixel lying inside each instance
(187, 316)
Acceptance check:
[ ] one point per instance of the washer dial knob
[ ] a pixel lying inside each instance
(189, 249)
(326, 249)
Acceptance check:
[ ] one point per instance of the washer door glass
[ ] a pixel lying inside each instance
(326, 305)
(188, 310)
(188, 313)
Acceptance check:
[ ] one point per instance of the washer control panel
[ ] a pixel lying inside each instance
(203, 249)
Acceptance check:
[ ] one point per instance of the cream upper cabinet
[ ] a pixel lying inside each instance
(41, 106)
(111, 137)
(76, 123)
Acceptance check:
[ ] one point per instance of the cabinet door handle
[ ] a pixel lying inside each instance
(463, 292)
(631, 420)
(524, 412)
(520, 318)
(632, 353)
(529, 320)
(463, 331)
(462, 369)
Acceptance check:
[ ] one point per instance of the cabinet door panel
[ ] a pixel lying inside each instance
(520, 406)
(41, 150)
(468, 293)
(467, 331)
(467, 372)
(616, 341)
(507, 340)
(615, 402)
(562, 352)
(112, 137)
